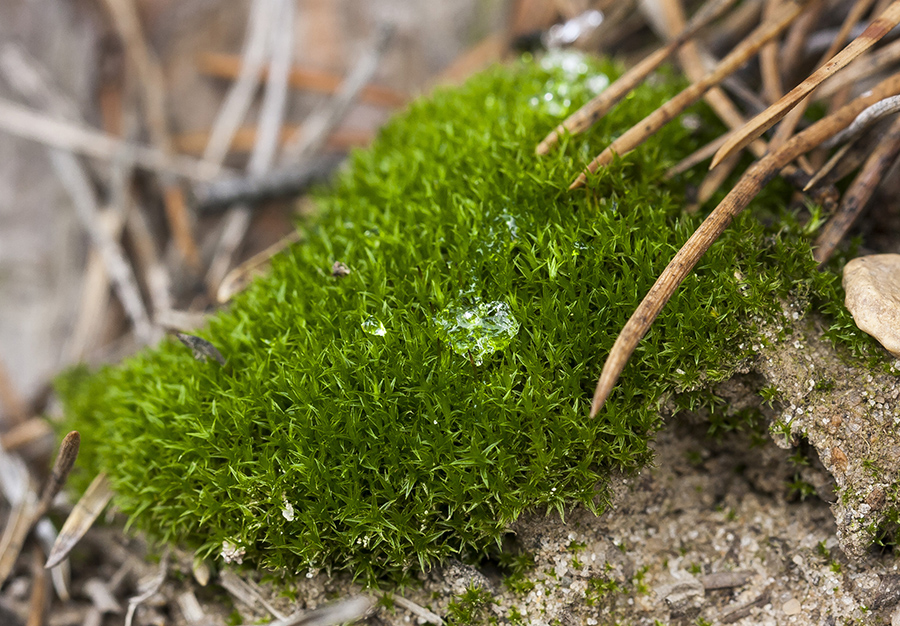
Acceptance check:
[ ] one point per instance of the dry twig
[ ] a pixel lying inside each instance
(859, 193)
(765, 120)
(56, 133)
(674, 107)
(229, 66)
(587, 115)
(153, 95)
(237, 220)
(753, 180)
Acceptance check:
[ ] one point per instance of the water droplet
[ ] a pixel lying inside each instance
(596, 84)
(287, 511)
(479, 329)
(570, 63)
(374, 327)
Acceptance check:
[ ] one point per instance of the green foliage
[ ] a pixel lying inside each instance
(468, 608)
(411, 410)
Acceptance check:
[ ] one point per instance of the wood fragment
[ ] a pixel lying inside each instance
(753, 180)
(346, 611)
(793, 51)
(151, 588)
(772, 87)
(101, 596)
(18, 525)
(727, 580)
(229, 66)
(674, 107)
(587, 115)
(247, 592)
(82, 517)
(40, 596)
(322, 121)
(858, 194)
(861, 68)
(190, 608)
(419, 611)
(768, 118)
(283, 182)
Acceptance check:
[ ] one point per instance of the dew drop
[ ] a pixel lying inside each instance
(373, 326)
(479, 329)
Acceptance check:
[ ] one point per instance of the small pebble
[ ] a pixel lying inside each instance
(791, 607)
(872, 284)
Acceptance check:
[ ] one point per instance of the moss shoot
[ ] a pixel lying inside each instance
(410, 410)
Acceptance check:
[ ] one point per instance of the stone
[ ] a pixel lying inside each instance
(684, 598)
(872, 284)
(792, 607)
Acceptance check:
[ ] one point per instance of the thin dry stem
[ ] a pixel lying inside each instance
(152, 84)
(229, 66)
(753, 180)
(859, 193)
(587, 115)
(237, 102)
(789, 123)
(674, 107)
(765, 120)
(54, 132)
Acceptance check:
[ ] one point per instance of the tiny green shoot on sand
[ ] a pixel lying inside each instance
(410, 408)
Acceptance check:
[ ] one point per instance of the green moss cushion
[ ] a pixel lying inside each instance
(411, 409)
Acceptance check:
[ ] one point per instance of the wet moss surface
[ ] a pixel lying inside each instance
(383, 419)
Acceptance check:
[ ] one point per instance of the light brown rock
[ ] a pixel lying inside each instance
(872, 284)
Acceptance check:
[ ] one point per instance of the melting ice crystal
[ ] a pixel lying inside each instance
(479, 328)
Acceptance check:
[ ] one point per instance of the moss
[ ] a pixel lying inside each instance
(411, 410)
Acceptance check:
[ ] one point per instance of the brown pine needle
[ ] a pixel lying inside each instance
(82, 517)
(587, 116)
(750, 184)
(828, 167)
(674, 107)
(768, 118)
(858, 194)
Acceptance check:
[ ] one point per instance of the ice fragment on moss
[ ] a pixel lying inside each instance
(479, 329)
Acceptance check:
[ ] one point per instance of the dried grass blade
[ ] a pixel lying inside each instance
(17, 527)
(753, 180)
(82, 517)
(586, 116)
(237, 279)
(674, 107)
(768, 118)
(859, 193)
